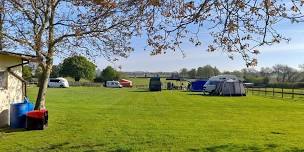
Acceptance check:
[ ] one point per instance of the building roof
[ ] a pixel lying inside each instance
(20, 55)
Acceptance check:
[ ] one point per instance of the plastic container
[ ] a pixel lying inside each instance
(37, 120)
(18, 113)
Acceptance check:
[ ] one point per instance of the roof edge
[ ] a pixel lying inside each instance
(32, 58)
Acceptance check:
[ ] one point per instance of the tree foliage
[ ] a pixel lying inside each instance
(78, 67)
(56, 71)
(109, 74)
(50, 28)
(27, 73)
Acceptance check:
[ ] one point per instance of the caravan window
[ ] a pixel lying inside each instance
(3, 80)
(55, 80)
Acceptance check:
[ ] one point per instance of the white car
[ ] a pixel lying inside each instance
(58, 83)
(113, 84)
(210, 85)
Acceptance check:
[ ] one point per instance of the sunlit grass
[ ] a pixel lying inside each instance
(100, 119)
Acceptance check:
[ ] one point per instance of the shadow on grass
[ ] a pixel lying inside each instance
(232, 147)
(139, 91)
(206, 95)
(10, 130)
(244, 148)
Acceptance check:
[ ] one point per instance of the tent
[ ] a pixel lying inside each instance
(126, 83)
(197, 86)
(229, 88)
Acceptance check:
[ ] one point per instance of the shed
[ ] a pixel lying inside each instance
(12, 85)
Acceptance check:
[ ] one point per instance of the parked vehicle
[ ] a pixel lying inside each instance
(155, 84)
(113, 84)
(210, 85)
(58, 83)
(126, 83)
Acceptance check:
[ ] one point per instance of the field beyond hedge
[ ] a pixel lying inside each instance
(122, 120)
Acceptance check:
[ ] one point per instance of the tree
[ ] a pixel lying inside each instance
(56, 71)
(109, 74)
(78, 67)
(183, 73)
(27, 73)
(192, 73)
(92, 28)
(207, 71)
(99, 27)
(284, 73)
(2, 14)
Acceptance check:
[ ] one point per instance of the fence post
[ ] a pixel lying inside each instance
(273, 92)
(282, 92)
(259, 91)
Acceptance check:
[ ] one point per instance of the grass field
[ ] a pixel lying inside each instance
(123, 120)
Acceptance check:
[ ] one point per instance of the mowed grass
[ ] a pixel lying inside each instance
(123, 120)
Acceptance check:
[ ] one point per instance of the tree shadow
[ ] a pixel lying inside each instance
(140, 91)
(243, 148)
(10, 130)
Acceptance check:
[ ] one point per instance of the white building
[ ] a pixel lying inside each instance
(12, 85)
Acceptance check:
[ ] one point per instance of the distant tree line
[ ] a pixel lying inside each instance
(204, 72)
(277, 75)
(77, 67)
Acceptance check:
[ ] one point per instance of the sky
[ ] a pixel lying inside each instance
(291, 54)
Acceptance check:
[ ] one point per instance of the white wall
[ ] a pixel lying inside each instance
(14, 92)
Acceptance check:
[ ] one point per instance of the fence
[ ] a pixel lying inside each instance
(276, 92)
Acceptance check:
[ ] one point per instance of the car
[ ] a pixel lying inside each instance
(113, 84)
(210, 85)
(58, 83)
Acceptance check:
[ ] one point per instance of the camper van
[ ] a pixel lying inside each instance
(155, 84)
(113, 84)
(58, 83)
(210, 85)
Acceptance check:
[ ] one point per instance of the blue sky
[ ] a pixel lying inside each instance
(291, 53)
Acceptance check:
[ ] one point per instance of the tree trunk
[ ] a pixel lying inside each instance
(77, 79)
(43, 81)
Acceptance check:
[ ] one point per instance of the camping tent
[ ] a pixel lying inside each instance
(126, 83)
(230, 88)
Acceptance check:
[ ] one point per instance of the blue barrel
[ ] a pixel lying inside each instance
(18, 113)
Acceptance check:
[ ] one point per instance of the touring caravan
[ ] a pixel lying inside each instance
(211, 84)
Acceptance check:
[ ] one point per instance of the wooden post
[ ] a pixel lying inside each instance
(282, 93)
(273, 92)
(259, 90)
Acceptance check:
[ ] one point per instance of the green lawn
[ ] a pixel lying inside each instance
(122, 120)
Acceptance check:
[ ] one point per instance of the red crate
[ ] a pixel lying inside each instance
(37, 119)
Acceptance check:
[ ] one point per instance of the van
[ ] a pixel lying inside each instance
(58, 83)
(155, 84)
(210, 85)
(113, 84)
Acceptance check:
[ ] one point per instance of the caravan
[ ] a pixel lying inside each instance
(211, 84)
